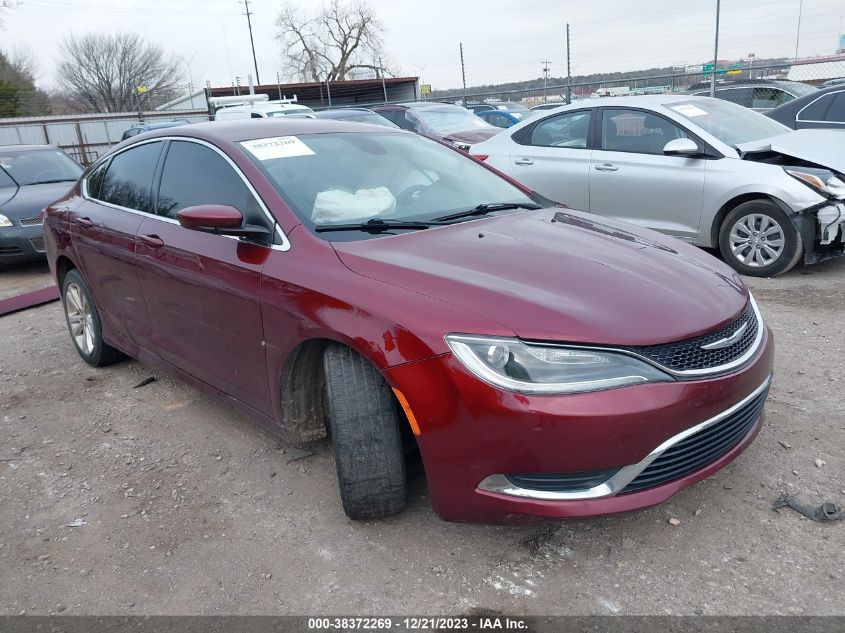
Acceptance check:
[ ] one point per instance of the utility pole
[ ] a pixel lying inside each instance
(568, 67)
(381, 74)
(279, 85)
(545, 77)
(463, 74)
(251, 41)
(715, 52)
(798, 32)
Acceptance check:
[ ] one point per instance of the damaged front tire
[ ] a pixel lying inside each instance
(758, 239)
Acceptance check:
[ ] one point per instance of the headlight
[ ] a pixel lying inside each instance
(512, 365)
(821, 180)
(4, 221)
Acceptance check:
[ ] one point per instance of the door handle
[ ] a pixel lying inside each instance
(606, 167)
(153, 241)
(84, 222)
(523, 161)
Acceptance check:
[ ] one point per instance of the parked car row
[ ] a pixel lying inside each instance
(403, 292)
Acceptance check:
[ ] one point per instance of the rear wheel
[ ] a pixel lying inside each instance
(365, 429)
(758, 239)
(83, 322)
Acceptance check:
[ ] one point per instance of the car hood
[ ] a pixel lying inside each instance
(27, 201)
(824, 147)
(472, 136)
(560, 276)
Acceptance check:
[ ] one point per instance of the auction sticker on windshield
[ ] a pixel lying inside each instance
(277, 147)
(689, 110)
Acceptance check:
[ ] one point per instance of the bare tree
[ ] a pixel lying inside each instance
(5, 4)
(330, 44)
(103, 73)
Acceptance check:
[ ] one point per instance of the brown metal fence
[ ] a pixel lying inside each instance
(85, 136)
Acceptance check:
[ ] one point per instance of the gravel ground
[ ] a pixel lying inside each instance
(180, 505)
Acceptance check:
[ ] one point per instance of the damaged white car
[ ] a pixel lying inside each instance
(704, 170)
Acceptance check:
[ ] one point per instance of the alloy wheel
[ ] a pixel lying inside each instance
(80, 318)
(757, 240)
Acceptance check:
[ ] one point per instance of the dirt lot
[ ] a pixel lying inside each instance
(183, 506)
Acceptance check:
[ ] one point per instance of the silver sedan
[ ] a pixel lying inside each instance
(703, 170)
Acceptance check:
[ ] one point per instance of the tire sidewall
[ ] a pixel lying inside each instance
(95, 357)
(793, 247)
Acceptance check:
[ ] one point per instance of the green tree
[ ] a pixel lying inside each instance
(18, 93)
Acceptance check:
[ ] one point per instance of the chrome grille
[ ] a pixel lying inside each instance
(31, 221)
(688, 355)
(700, 449)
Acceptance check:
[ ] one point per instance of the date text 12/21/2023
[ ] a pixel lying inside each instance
(417, 623)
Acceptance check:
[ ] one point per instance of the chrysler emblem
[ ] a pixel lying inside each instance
(722, 343)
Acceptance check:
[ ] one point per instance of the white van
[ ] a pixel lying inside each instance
(262, 110)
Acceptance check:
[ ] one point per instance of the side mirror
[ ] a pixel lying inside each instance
(681, 147)
(221, 219)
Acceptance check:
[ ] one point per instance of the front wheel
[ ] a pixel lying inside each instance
(758, 239)
(366, 435)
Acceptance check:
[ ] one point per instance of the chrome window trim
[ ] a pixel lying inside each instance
(284, 246)
(687, 373)
(833, 93)
(500, 484)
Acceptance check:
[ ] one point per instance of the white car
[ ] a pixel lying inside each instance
(262, 110)
(704, 170)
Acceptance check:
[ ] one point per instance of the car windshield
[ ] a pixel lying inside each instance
(39, 166)
(353, 177)
(448, 119)
(730, 123)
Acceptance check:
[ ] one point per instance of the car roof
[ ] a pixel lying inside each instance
(419, 105)
(236, 130)
(342, 110)
(160, 124)
(25, 148)
(632, 101)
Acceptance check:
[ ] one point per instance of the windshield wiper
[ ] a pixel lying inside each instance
(50, 182)
(484, 209)
(377, 226)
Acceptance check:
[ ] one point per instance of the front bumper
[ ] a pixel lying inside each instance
(21, 244)
(471, 433)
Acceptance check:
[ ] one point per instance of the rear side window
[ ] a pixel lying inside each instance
(830, 107)
(836, 112)
(129, 177)
(817, 110)
(194, 174)
(95, 180)
(568, 130)
(741, 96)
(765, 97)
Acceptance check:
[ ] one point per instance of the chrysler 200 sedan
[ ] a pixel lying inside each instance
(333, 278)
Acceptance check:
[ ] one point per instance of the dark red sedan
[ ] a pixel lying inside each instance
(375, 285)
